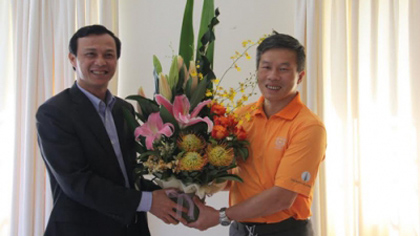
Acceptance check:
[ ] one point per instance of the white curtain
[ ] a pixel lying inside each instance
(362, 77)
(40, 32)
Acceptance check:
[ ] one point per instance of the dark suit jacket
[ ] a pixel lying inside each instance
(86, 180)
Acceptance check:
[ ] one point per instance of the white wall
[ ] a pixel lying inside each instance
(150, 27)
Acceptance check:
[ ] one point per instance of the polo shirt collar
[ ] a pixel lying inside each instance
(288, 112)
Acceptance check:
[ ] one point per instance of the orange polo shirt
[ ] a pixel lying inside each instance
(285, 151)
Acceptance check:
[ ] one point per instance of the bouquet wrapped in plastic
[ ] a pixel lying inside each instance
(185, 138)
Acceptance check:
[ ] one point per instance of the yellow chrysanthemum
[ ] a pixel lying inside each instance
(219, 155)
(191, 161)
(191, 143)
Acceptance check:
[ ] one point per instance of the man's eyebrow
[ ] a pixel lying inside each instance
(89, 49)
(282, 64)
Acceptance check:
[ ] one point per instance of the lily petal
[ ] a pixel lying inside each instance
(143, 130)
(153, 129)
(181, 105)
(196, 120)
(161, 100)
(167, 130)
(149, 142)
(200, 106)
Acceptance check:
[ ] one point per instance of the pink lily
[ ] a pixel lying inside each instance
(153, 129)
(181, 111)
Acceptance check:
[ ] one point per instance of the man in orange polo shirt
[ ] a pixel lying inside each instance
(288, 143)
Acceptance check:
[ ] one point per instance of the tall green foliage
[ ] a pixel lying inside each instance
(186, 43)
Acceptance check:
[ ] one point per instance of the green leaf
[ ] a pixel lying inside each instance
(188, 88)
(207, 14)
(130, 119)
(173, 74)
(168, 117)
(186, 43)
(230, 177)
(243, 152)
(199, 93)
(181, 79)
(147, 106)
(139, 148)
(144, 156)
(157, 65)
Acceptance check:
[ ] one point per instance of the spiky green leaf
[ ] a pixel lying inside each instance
(186, 43)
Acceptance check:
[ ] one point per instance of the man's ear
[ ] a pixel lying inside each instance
(301, 74)
(73, 60)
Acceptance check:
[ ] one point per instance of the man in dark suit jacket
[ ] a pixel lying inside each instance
(89, 152)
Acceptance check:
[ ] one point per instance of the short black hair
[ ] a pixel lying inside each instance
(277, 40)
(92, 29)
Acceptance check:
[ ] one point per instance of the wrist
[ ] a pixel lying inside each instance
(224, 220)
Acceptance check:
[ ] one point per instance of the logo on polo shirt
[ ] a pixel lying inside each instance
(306, 176)
(280, 142)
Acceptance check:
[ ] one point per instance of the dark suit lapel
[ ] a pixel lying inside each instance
(85, 108)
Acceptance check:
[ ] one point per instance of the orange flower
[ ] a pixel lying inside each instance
(240, 133)
(219, 132)
(221, 120)
(218, 109)
(232, 121)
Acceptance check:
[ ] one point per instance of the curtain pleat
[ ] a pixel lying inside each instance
(368, 54)
(42, 29)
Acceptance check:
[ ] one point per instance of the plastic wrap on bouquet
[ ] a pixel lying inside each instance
(185, 200)
(185, 194)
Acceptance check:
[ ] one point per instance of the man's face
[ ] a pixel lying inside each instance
(278, 76)
(96, 61)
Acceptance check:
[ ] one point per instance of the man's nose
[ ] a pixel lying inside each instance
(274, 75)
(100, 61)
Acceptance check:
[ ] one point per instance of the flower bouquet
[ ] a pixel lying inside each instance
(185, 138)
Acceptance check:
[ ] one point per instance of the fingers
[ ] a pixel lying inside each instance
(198, 203)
